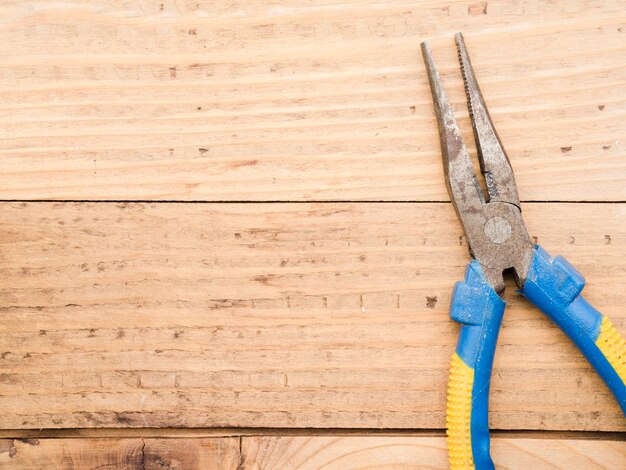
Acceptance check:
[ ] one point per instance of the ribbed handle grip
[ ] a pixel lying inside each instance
(458, 414)
(477, 307)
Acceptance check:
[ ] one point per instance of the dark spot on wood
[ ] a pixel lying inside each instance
(92, 333)
(177, 334)
(10, 379)
(412, 108)
(161, 6)
(71, 305)
(158, 351)
(264, 279)
(237, 235)
(84, 267)
(101, 267)
(199, 108)
(607, 239)
(535, 239)
(203, 150)
(600, 107)
(121, 418)
(606, 147)
(161, 463)
(431, 301)
(571, 240)
(621, 30)
(5, 354)
(30, 442)
(362, 258)
(193, 32)
(477, 9)
(120, 334)
(283, 263)
(243, 163)
(42, 332)
(26, 356)
(172, 72)
(565, 149)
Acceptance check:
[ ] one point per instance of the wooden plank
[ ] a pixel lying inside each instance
(195, 100)
(278, 315)
(303, 453)
(369, 452)
(192, 454)
(120, 454)
(66, 454)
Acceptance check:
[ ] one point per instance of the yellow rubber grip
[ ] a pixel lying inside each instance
(458, 414)
(613, 346)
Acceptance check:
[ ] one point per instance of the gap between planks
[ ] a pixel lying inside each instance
(118, 433)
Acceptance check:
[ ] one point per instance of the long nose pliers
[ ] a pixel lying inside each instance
(498, 243)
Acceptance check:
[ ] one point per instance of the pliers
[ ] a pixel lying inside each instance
(499, 242)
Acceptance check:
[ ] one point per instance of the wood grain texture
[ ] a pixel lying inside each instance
(306, 100)
(192, 454)
(299, 453)
(120, 454)
(278, 315)
(339, 453)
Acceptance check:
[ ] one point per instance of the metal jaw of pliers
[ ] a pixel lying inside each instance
(499, 242)
(494, 228)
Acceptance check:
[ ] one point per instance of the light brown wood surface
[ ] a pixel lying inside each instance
(298, 453)
(279, 315)
(301, 100)
(118, 319)
(374, 452)
(120, 454)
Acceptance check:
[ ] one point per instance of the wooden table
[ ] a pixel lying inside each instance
(227, 242)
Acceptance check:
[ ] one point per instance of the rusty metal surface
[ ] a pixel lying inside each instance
(493, 223)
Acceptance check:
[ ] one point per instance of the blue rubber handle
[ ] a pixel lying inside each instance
(554, 286)
(479, 309)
